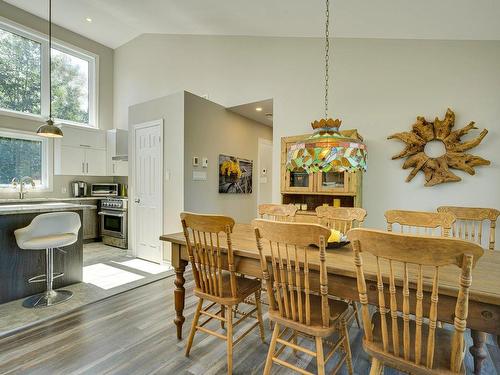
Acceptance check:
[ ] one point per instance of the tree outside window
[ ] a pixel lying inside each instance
(21, 71)
(70, 87)
(22, 154)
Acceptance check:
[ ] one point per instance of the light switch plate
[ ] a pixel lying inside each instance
(204, 162)
(196, 161)
(199, 176)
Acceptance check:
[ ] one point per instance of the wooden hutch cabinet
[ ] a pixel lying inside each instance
(315, 189)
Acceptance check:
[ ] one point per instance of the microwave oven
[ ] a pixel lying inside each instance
(104, 190)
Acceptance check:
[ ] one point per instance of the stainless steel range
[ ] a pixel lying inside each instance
(114, 222)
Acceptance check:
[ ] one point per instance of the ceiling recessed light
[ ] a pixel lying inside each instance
(258, 109)
(88, 19)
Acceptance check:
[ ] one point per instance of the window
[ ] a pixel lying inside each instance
(20, 73)
(24, 78)
(70, 87)
(23, 155)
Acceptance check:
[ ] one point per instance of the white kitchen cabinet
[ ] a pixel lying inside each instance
(81, 152)
(118, 168)
(71, 161)
(78, 136)
(80, 161)
(95, 162)
(117, 152)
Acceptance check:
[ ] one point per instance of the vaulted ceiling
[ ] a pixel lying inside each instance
(115, 22)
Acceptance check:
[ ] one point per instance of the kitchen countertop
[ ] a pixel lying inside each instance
(38, 200)
(25, 208)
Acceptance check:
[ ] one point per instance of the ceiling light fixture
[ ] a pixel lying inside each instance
(326, 149)
(258, 109)
(88, 19)
(49, 130)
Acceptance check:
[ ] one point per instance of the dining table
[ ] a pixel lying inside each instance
(484, 294)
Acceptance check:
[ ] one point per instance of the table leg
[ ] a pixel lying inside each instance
(477, 350)
(179, 296)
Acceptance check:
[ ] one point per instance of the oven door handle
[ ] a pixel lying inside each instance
(117, 214)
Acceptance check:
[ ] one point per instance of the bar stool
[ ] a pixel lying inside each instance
(48, 232)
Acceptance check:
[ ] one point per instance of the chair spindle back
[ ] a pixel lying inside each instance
(420, 222)
(277, 212)
(341, 218)
(204, 235)
(287, 280)
(401, 255)
(470, 221)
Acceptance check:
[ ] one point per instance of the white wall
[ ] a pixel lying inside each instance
(171, 110)
(264, 181)
(379, 87)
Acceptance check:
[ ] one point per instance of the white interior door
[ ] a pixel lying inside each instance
(148, 203)
(265, 173)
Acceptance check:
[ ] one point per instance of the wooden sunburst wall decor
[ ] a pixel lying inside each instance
(437, 170)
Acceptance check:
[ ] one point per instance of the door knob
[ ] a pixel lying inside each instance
(137, 200)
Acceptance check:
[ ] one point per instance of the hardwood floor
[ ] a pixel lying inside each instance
(133, 333)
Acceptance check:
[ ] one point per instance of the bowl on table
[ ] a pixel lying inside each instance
(336, 240)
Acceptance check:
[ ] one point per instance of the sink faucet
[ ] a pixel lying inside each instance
(24, 180)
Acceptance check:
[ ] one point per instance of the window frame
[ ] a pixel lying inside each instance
(46, 162)
(64, 47)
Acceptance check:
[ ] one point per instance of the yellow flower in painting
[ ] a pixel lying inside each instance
(230, 167)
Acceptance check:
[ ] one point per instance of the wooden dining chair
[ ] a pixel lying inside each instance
(277, 212)
(209, 256)
(342, 219)
(294, 306)
(394, 338)
(470, 222)
(420, 222)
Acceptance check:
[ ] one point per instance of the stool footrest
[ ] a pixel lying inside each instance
(43, 278)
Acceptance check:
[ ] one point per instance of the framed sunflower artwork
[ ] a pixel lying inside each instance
(235, 175)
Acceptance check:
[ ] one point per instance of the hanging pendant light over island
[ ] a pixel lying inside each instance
(49, 130)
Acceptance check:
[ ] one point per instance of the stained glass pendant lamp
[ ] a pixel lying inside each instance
(49, 130)
(326, 149)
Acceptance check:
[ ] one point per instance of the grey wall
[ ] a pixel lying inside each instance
(105, 94)
(195, 126)
(378, 86)
(210, 130)
(171, 110)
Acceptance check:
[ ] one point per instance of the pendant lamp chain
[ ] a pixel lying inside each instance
(327, 54)
(328, 149)
(49, 130)
(50, 59)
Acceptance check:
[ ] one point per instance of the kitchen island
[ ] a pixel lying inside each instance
(17, 265)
